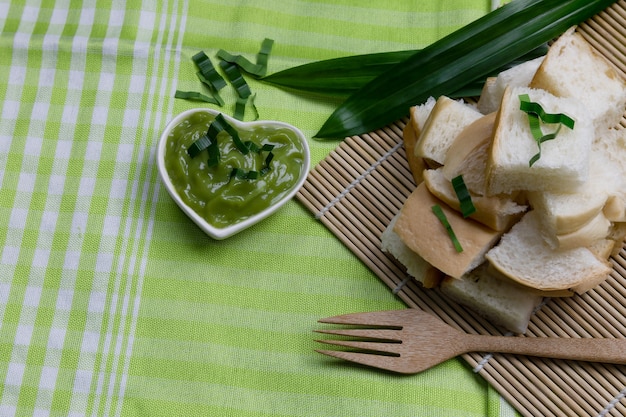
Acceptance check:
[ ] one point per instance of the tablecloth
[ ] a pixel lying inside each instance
(112, 302)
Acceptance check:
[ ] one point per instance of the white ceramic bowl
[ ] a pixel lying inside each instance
(223, 233)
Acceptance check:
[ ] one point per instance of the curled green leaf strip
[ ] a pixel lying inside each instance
(463, 195)
(438, 211)
(536, 115)
(214, 93)
(220, 125)
(210, 75)
(194, 95)
(259, 68)
(198, 146)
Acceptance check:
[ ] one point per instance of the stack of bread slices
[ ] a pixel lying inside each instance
(545, 229)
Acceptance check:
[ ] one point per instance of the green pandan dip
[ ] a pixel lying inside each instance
(211, 191)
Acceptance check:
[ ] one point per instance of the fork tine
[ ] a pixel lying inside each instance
(372, 318)
(358, 344)
(390, 363)
(383, 334)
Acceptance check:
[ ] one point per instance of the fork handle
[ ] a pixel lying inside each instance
(606, 350)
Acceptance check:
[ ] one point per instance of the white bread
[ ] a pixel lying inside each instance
(524, 256)
(602, 248)
(597, 228)
(493, 297)
(416, 164)
(419, 114)
(570, 65)
(564, 162)
(518, 76)
(610, 145)
(617, 235)
(424, 234)
(446, 120)
(410, 135)
(467, 154)
(496, 212)
(489, 101)
(416, 267)
(615, 208)
(583, 216)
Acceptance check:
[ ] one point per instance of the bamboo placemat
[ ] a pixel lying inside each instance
(363, 183)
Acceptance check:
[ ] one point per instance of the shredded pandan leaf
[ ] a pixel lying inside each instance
(536, 115)
(198, 146)
(253, 105)
(241, 86)
(465, 199)
(240, 108)
(212, 90)
(194, 95)
(243, 174)
(236, 78)
(220, 124)
(259, 68)
(209, 142)
(268, 160)
(444, 221)
(214, 155)
(208, 72)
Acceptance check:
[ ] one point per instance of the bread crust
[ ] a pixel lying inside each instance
(424, 234)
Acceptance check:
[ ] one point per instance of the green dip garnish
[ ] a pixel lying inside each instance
(212, 190)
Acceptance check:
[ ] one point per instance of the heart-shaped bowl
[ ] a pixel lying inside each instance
(259, 128)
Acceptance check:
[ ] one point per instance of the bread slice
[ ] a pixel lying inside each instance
(493, 297)
(445, 122)
(410, 134)
(424, 234)
(416, 164)
(518, 76)
(617, 235)
(416, 267)
(610, 144)
(525, 257)
(596, 229)
(566, 72)
(419, 114)
(564, 162)
(467, 155)
(489, 101)
(496, 212)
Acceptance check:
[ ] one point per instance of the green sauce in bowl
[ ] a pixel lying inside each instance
(212, 192)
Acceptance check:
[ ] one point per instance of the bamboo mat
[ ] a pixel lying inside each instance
(363, 183)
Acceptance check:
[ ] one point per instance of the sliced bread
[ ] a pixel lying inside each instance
(564, 162)
(496, 212)
(416, 164)
(446, 120)
(410, 135)
(467, 154)
(416, 267)
(524, 256)
(518, 76)
(493, 297)
(566, 72)
(424, 234)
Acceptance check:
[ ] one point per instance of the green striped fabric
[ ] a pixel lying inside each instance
(112, 303)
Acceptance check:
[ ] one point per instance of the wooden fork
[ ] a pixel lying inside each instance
(410, 341)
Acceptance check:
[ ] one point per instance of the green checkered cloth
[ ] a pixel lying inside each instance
(112, 302)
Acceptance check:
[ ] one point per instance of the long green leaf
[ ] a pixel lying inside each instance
(337, 76)
(467, 54)
(340, 77)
